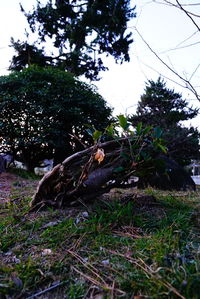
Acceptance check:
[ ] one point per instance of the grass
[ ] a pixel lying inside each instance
(24, 174)
(145, 246)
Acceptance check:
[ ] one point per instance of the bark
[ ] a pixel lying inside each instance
(81, 176)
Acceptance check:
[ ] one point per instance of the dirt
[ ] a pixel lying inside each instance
(15, 188)
(11, 184)
(6, 181)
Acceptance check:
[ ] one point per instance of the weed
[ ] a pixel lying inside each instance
(119, 250)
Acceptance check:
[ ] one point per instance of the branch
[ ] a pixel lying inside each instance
(178, 48)
(188, 85)
(172, 4)
(46, 290)
(188, 14)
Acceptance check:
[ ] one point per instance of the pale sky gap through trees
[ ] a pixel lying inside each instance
(165, 29)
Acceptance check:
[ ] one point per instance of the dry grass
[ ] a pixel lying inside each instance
(127, 244)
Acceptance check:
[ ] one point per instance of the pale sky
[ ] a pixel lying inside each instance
(167, 30)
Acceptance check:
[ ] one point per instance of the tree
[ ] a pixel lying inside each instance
(27, 55)
(82, 32)
(101, 167)
(164, 108)
(42, 109)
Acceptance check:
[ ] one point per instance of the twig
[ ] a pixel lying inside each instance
(101, 282)
(78, 139)
(188, 85)
(46, 290)
(188, 14)
(96, 282)
(166, 2)
(77, 243)
(87, 265)
(148, 271)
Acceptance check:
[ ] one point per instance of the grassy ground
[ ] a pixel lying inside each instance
(128, 244)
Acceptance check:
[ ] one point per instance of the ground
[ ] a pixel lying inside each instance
(10, 181)
(6, 181)
(126, 244)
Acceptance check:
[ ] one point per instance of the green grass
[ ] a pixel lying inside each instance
(24, 174)
(119, 250)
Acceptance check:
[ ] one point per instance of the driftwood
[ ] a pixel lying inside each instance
(86, 175)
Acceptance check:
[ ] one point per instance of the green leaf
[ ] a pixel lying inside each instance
(139, 128)
(123, 122)
(96, 135)
(110, 130)
(125, 156)
(146, 130)
(162, 147)
(119, 169)
(157, 132)
(145, 155)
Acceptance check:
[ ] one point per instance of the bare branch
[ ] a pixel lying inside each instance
(185, 40)
(166, 2)
(188, 85)
(188, 14)
(153, 69)
(178, 48)
(194, 72)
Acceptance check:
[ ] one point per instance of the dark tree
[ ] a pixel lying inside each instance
(164, 108)
(41, 108)
(82, 32)
(27, 55)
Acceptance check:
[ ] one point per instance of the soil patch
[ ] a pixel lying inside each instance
(6, 182)
(11, 185)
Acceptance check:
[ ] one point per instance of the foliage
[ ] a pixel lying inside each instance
(26, 55)
(41, 107)
(82, 32)
(103, 166)
(144, 244)
(163, 107)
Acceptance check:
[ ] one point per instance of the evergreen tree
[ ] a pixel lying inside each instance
(163, 107)
(27, 55)
(81, 31)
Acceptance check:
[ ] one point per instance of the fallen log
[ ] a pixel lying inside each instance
(87, 174)
(99, 168)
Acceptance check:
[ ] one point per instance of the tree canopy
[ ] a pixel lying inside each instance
(82, 34)
(41, 108)
(163, 107)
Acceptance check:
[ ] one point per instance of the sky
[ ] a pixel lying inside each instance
(167, 30)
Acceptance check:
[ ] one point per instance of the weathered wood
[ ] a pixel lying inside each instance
(82, 176)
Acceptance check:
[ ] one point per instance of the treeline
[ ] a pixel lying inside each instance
(48, 112)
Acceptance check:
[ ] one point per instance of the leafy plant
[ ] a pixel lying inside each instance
(44, 114)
